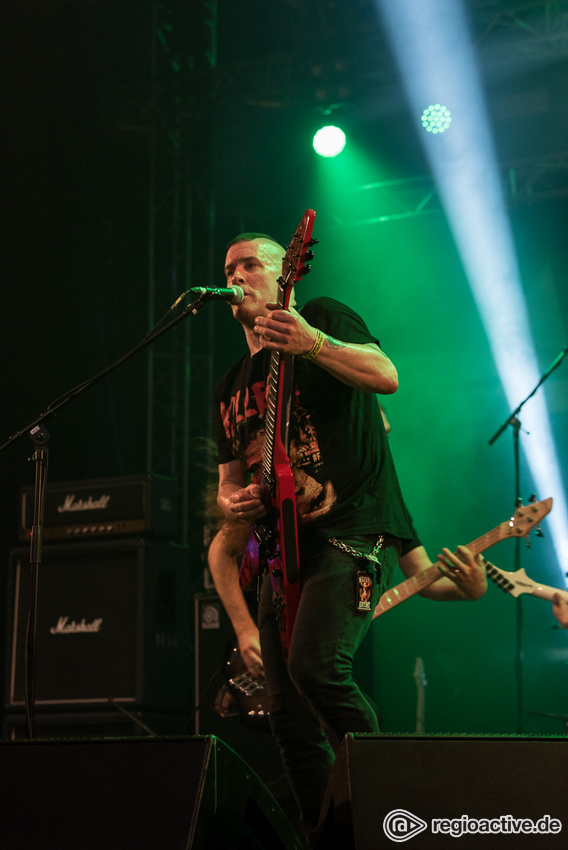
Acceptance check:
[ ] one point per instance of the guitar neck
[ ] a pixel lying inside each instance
(280, 385)
(413, 585)
(544, 592)
(524, 520)
(410, 587)
(270, 416)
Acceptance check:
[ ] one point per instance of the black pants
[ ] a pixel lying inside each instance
(314, 701)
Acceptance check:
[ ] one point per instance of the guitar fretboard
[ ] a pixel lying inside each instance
(272, 398)
(270, 417)
(525, 518)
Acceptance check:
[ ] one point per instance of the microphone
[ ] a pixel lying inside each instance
(230, 294)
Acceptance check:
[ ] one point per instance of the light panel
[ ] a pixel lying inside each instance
(436, 118)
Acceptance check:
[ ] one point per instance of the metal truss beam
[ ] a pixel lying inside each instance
(184, 41)
(525, 181)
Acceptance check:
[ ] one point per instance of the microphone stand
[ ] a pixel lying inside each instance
(512, 416)
(515, 423)
(40, 438)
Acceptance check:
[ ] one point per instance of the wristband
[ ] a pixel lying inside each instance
(316, 347)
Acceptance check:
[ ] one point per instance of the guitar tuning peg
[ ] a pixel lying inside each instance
(313, 242)
(309, 255)
(538, 532)
(305, 270)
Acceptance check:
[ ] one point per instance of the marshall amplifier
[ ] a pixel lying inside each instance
(113, 626)
(104, 507)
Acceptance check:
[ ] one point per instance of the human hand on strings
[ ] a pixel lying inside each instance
(466, 570)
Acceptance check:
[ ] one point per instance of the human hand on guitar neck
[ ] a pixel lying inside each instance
(465, 570)
(464, 578)
(256, 267)
(364, 367)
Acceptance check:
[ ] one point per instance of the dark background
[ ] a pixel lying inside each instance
(140, 137)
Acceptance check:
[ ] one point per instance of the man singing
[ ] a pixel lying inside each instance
(352, 521)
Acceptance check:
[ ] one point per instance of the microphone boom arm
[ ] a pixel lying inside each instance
(513, 416)
(192, 308)
(40, 438)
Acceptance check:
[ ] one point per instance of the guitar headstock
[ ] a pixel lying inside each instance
(508, 582)
(525, 519)
(419, 674)
(296, 259)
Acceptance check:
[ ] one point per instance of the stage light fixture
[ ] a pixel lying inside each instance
(329, 141)
(436, 118)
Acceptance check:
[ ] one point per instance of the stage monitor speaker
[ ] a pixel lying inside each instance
(487, 792)
(153, 794)
(113, 625)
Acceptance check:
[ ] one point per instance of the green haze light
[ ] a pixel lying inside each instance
(436, 119)
(329, 141)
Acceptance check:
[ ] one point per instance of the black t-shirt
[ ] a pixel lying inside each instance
(344, 474)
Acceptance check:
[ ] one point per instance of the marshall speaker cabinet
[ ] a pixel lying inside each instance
(113, 625)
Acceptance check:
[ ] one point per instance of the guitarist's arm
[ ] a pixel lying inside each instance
(360, 365)
(224, 553)
(464, 577)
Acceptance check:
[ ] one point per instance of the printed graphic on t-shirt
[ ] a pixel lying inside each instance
(315, 495)
(237, 414)
(243, 423)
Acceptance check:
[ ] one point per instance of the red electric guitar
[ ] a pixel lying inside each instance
(520, 525)
(273, 543)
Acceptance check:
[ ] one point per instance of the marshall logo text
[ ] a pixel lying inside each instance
(89, 504)
(64, 627)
